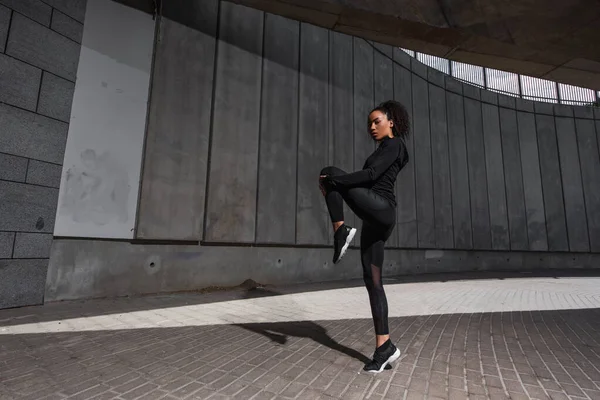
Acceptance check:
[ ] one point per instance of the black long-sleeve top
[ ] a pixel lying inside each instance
(380, 170)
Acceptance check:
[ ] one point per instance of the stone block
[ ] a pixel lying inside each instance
(472, 91)
(436, 77)
(13, 168)
(44, 174)
(4, 22)
(35, 9)
(27, 208)
(584, 112)
(67, 26)
(506, 101)
(30, 135)
(524, 105)
(454, 85)
(42, 47)
(73, 8)
(543, 108)
(7, 240)
(19, 83)
(563, 110)
(22, 282)
(32, 245)
(487, 96)
(56, 97)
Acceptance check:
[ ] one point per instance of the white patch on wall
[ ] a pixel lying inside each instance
(103, 157)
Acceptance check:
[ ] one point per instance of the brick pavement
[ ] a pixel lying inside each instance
(477, 339)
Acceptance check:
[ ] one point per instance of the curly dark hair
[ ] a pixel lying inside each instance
(396, 112)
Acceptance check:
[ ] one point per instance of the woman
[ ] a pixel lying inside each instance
(370, 194)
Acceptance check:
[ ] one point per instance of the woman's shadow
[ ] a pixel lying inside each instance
(279, 331)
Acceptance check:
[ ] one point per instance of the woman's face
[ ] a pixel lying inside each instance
(380, 126)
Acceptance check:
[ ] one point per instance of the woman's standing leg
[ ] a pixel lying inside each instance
(372, 243)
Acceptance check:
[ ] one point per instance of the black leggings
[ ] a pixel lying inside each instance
(379, 218)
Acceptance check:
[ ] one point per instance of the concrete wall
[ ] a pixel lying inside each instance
(247, 107)
(39, 52)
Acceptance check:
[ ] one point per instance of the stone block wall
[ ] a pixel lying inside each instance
(39, 52)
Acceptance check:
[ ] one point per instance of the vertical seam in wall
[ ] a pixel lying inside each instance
(412, 106)
(562, 189)
(10, 18)
(522, 182)
(136, 222)
(260, 107)
(12, 253)
(39, 94)
(435, 239)
(330, 135)
(462, 98)
(449, 166)
(353, 119)
(537, 147)
(212, 120)
(487, 186)
(508, 223)
(27, 171)
(298, 118)
(585, 207)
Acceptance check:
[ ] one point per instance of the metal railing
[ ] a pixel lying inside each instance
(511, 84)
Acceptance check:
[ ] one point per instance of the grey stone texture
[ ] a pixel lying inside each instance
(27, 208)
(39, 46)
(67, 26)
(56, 97)
(22, 282)
(32, 245)
(73, 8)
(7, 240)
(44, 174)
(31, 135)
(20, 83)
(13, 168)
(4, 23)
(37, 10)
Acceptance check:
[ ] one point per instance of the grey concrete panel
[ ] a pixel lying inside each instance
(85, 269)
(422, 159)
(402, 58)
(583, 112)
(19, 83)
(454, 85)
(27, 208)
(5, 14)
(363, 101)
(590, 174)
(30, 135)
(543, 108)
(418, 68)
(37, 10)
(341, 119)
(532, 182)
(67, 26)
(234, 150)
(13, 168)
(7, 240)
(383, 81)
(195, 14)
(551, 184)
(442, 190)
(436, 77)
(175, 163)
(32, 245)
(312, 219)
(513, 177)
(495, 177)
(73, 8)
(56, 97)
(44, 174)
(572, 185)
(480, 211)
(471, 91)
(406, 211)
(597, 113)
(279, 133)
(22, 282)
(46, 49)
(506, 101)
(563, 110)
(524, 105)
(459, 172)
(487, 96)
(384, 49)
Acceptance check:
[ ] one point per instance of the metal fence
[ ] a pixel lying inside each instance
(511, 84)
